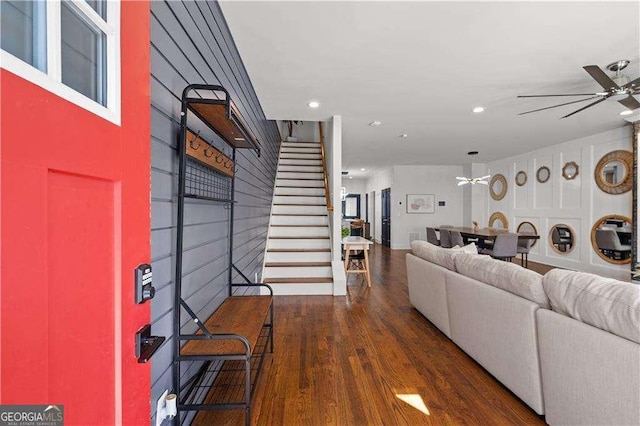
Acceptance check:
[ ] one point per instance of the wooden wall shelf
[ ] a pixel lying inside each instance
(221, 115)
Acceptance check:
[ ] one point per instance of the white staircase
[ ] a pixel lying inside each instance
(298, 257)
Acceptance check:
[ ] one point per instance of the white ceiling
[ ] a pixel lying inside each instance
(420, 68)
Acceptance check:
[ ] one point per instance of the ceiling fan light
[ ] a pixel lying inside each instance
(626, 112)
(617, 96)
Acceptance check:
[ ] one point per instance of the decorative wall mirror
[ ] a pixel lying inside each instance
(498, 187)
(562, 238)
(528, 228)
(543, 174)
(611, 238)
(613, 172)
(351, 206)
(570, 170)
(498, 220)
(521, 178)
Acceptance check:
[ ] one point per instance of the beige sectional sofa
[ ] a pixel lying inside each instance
(566, 343)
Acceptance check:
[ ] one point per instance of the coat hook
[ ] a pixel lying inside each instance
(235, 169)
(193, 140)
(206, 152)
(219, 158)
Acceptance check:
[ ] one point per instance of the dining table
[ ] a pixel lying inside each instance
(488, 234)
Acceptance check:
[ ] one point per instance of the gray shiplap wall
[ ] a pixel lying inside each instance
(191, 43)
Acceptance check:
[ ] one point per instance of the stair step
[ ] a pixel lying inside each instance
(295, 264)
(299, 204)
(300, 195)
(305, 280)
(304, 209)
(300, 192)
(300, 175)
(299, 250)
(299, 214)
(297, 221)
(301, 162)
(305, 168)
(297, 272)
(297, 257)
(300, 143)
(298, 243)
(300, 149)
(299, 231)
(300, 156)
(298, 238)
(299, 226)
(300, 183)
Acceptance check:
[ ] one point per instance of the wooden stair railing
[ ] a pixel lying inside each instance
(324, 170)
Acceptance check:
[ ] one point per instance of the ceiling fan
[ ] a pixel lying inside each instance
(618, 87)
(473, 181)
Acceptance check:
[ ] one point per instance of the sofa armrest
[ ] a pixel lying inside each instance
(589, 376)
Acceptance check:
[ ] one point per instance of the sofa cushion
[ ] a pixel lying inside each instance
(434, 254)
(605, 303)
(504, 275)
(469, 248)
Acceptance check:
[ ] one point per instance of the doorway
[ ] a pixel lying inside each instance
(386, 217)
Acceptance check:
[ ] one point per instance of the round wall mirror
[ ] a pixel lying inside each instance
(543, 174)
(562, 238)
(611, 238)
(613, 172)
(528, 228)
(498, 220)
(521, 178)
(570, 170)
(498, 187)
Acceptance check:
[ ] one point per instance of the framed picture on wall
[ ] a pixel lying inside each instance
(421, 203)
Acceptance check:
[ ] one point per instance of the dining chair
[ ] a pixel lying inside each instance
(524, 246)
(562, 241)
(456, 239)
(505, 247)
(445, 238)
(432, 237)
(608, 242)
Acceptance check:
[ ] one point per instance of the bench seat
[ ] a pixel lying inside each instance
(240, 315)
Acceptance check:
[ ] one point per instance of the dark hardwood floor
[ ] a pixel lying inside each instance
(356, 360)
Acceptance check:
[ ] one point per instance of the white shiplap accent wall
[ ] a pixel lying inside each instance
(577, 203)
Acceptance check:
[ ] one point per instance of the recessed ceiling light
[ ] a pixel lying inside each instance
(404, 135)
(472, 153)
(375, 123)
(626, 112)
(363, 169)
(314, 104)
(478, 109)
(350, 177)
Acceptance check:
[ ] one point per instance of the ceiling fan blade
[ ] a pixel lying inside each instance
(585, 107)
(461, 178)
(464, 182)
(485, 177)
(635, 83)
(601, 77)
(484, 182)
(559, 105)
(549, 96)
(630, 103)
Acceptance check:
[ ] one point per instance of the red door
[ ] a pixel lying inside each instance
(74, 224)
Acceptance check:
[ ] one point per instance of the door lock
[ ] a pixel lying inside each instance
(143, 279)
